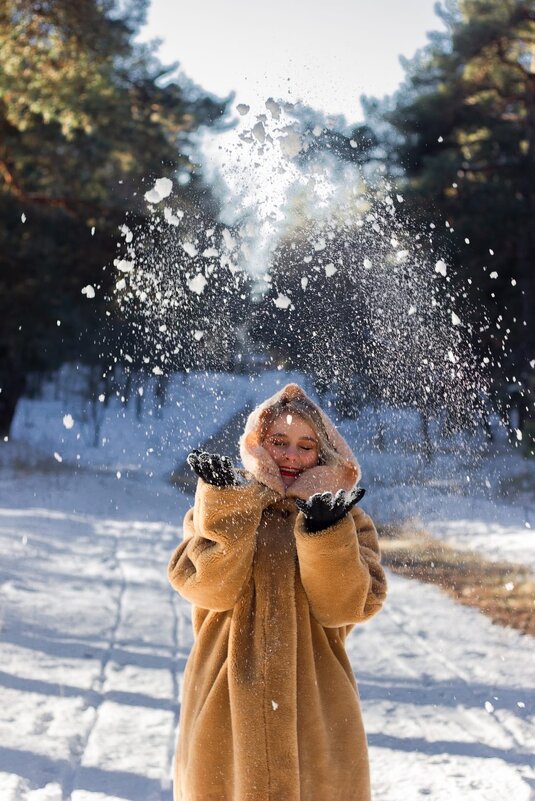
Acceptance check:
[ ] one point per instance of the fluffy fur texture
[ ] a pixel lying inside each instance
(270, 705)
(342, 475)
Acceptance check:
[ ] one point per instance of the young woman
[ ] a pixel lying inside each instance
(280, 564)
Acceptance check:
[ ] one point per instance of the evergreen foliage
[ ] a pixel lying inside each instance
(86, 117)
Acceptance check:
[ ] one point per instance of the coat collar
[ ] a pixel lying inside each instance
(344, 474)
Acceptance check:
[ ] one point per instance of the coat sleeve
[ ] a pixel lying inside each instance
(211, 565)
(341, 570)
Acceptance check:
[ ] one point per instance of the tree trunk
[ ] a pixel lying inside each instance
(13, 385)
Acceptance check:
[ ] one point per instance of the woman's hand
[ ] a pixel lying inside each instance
(213, 468)
(323, 509)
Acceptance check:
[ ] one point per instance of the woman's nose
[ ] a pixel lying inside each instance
(292, 452)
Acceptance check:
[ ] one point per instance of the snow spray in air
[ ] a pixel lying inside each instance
(314, 254)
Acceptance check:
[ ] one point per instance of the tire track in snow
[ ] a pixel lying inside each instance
(182, 645)
(401, 617)
(167, 789)
(96, 692)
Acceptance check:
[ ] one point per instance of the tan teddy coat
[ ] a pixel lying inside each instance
(270, 706)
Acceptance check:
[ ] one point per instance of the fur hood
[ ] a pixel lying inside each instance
(344, 474)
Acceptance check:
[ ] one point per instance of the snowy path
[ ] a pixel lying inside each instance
(94, 642)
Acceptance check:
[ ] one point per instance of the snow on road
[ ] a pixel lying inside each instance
(94, 643)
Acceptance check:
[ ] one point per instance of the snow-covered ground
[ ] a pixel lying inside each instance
(94, 643)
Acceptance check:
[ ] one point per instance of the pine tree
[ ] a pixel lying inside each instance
(88, 119)
(462, 127)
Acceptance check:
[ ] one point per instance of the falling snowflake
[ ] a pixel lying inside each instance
(209, 252)
(282, 301)
(273, 108)
(197, 284)
(126, 232)
(190, 249)
(170, 218)
(123, 265)
(259, 133)
(290, 143)
(161, 189)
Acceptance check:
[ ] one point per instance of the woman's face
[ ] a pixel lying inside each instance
(293, 445)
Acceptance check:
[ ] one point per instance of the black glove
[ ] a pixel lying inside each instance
(213, 468)
(323, 509)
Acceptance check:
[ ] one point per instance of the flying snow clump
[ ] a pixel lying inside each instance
(123, 265)
(162, 188)
(440, 267)
(190, 248)
(273, 108)
(126, 232)
(259, 132)
(330, 269)
(197, 284)
(290, 142)
(88, 291)
(282, 301)
(68, 420)
(170, 218)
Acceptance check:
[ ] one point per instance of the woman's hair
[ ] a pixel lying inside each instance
(300, 407)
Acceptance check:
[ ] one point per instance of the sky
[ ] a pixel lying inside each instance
(326, 55)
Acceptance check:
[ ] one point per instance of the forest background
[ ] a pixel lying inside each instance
(90, 118)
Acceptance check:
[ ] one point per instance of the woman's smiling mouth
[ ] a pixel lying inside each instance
(289, 471)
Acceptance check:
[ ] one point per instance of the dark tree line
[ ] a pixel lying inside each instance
(462, 130)
(87, 120)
